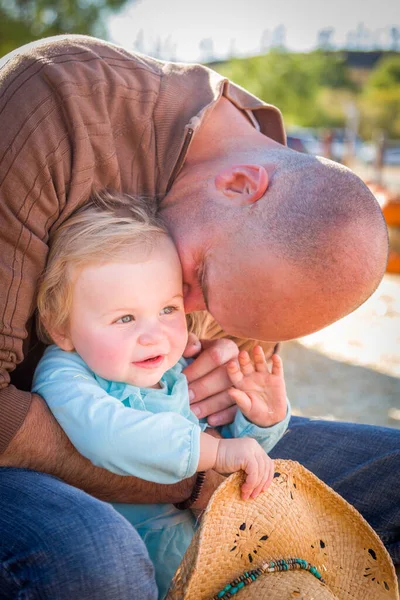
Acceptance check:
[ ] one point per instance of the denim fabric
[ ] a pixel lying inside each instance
(360, 462)
(58, 543)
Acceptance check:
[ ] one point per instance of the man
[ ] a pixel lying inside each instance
(273, 243)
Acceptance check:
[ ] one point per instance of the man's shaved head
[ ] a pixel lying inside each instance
(308, 251)
(308, 202)
(321, 218)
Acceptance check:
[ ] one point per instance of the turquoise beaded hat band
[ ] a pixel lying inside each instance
(290, 564)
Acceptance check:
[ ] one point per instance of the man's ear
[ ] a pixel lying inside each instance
(243, 183)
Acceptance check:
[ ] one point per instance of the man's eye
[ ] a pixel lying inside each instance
(126, 319)
(167, 310)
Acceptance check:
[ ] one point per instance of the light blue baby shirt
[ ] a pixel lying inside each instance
(149, 433)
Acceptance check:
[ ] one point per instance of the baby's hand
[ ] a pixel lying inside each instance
(260, 395)
(246, 454)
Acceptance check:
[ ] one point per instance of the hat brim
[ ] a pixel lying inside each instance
(297, 517)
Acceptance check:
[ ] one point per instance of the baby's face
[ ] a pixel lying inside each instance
(128, 321)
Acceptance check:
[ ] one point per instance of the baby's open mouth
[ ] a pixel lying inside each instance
(151, 361)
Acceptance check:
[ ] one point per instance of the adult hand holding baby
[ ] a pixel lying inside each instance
(208, 379)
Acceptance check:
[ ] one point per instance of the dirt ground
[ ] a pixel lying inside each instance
(350, 371)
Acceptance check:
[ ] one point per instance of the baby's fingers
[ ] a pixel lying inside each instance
(270, 474)
(234, 372)
(266, 469)
(252, 478)
(241, 399)
(246, 366)
(277, 365)
(260, 362)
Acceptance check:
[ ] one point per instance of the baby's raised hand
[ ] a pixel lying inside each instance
(260, 394)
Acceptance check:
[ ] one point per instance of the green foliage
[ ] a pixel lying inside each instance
(380, 102)
(293, 82)
(316, 89)
(381, 111)
(386, 75)
(22, 21)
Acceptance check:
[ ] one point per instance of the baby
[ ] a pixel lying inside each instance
(111, 301)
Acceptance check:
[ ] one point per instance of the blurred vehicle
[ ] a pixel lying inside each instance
(310, 141)
(296, 143)
(367, 153)
(343, 144)
(391, 156)
(308, 137)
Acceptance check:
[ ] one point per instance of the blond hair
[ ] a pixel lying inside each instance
(111, 226)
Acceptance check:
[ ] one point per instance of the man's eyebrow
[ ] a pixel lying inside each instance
(202, 277)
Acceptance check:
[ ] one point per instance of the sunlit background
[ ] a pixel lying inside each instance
(333, 68)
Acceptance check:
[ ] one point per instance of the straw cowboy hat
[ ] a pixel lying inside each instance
(298, 540)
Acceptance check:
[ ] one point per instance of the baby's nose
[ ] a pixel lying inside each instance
(150, 337)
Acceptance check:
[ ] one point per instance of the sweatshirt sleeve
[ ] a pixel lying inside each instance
(75, 115)
(28, 206)
(267, 437)
(160, 447)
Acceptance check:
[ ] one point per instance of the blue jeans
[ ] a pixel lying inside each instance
(360, 462)
(58, 543)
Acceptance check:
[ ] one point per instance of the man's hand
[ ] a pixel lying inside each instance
(260, 394)
(209, 382)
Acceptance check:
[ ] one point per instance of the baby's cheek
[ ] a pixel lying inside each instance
(108, 357)
(178, 337)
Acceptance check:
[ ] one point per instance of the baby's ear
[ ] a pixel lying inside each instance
(61, 338)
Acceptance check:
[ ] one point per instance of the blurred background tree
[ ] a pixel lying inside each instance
(22, 21)
(380, 101)
(315, 89)
(296, 82)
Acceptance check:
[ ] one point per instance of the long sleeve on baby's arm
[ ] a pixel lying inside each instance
(241, 427)
(267, 437)
(162, 447)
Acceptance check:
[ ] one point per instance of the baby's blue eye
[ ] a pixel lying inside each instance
(126, 319)
(167, 310)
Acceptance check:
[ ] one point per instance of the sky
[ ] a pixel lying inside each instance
(237, 27)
